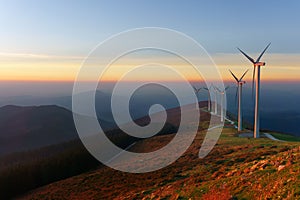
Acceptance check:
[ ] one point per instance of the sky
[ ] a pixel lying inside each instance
(48, 40)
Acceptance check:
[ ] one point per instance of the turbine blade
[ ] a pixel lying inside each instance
(234, 76)
(244, 74)
(195, 89)
(249, 58)
(262, 53)
(217, 89)
(253, 82)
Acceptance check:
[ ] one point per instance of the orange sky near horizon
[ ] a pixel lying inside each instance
(280, 67)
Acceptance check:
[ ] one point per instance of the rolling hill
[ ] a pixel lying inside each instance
(25, 128)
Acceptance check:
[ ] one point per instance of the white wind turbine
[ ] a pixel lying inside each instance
(256, 72)
(239, 93)
(222, 101)
(215, 103)
(208, 99)
(197, 90)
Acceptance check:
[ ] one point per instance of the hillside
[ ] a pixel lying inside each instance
(237, 168)
(24, 128)
(36, 163)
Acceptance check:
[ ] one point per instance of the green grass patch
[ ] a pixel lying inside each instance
(286, 137)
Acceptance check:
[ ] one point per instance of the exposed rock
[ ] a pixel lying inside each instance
(280, 167)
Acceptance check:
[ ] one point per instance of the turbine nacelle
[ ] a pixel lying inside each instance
(259, 64)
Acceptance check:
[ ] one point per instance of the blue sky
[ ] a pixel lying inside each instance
(75, 27)
(47, 40)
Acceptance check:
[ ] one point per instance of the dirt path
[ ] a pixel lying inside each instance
(268, 135)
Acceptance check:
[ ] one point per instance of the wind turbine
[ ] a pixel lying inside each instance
(239, 92)
(222, 101)
(215, 103)
(256, 72)
(197, 90)
(208, 98)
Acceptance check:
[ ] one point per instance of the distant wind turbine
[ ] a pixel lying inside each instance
(256, 73)
(197, 90)
(208, 98)
(239, 93)
(222, 92)
(215, 103)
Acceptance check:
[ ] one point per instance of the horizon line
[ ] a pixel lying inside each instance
(132, 81)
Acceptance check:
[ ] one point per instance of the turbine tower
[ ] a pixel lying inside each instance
(222, 101)
(256, 72)
(215, 103)
(239, 93)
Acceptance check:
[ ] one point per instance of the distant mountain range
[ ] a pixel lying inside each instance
(24, 128)
(139, 103)
(34, 124)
